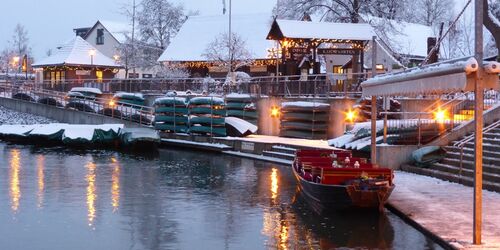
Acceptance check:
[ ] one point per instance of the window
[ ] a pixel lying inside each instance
(147, 75)
(100, 37)
(337, 69)
(99, 75)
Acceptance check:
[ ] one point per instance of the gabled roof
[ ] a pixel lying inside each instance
(403, 38)
(119, 31)
(320, 30)
(76, 53)
(198, 31)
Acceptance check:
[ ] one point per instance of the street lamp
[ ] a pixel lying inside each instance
(15, 62)
(92, 54)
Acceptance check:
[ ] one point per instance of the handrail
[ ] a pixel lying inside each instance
(461, 144)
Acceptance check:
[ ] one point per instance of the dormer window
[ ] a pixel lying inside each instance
(100, 37)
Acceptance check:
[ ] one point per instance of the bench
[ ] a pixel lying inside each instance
(339, 176)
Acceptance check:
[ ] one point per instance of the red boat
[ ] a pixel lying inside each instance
(333, 180)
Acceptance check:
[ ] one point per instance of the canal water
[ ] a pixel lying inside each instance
(62, 199)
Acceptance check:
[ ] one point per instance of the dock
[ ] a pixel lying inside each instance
(445, 210)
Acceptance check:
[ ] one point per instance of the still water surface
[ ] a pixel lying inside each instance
(62, 199)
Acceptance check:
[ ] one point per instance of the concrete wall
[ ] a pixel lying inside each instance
(393, 156)
(268, 125)
(61, 114)
(337, 124)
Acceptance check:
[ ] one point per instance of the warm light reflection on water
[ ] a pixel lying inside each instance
(41, 179)
(91, 192)
(15, 191)
(274, 183)
(115, 185)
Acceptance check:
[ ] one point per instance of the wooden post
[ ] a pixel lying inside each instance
(385, 117)
(478, 123)
(374, 105)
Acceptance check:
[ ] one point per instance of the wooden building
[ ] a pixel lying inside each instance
(77, 61)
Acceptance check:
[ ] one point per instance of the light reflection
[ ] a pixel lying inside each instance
(274, 183)
(15, 191)
(115, 185)
(41, 179)
(283, 236)
(91, 192)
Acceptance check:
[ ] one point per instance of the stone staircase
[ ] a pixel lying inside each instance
(285, 152)
(458, 165)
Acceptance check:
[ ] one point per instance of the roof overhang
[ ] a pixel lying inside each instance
(324, 31)
(436, 78)
(76, 65)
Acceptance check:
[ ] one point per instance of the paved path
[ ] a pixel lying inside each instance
(446, 209)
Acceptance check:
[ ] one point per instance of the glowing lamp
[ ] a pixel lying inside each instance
(275, 112)
(92, 52)
(350, 115)
(440, 115)
(112, 103)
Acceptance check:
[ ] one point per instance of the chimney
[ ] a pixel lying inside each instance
(431, 42)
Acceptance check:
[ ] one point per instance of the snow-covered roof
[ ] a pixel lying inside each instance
(76, 53)
(118, 30)
(435, 78)
(321, 30)
(402, 37)
(198, 31)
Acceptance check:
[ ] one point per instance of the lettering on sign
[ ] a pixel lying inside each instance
(247, 146)
(299, 51)
(337, 51)
(82, 72)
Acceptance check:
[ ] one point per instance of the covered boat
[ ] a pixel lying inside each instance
(333, 180)
(139, 139)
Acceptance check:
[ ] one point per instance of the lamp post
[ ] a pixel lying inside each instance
(15, 64)
(230, 43)
(92, 54)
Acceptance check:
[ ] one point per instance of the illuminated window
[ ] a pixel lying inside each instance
(98, 75)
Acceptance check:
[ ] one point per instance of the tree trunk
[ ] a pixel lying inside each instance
(492, 27)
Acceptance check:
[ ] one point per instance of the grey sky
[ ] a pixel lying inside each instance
(51, 22)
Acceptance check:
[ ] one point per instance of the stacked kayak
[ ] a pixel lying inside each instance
(308, 120)
(207, 116)
(124, 98)
(241, 106)
(171, 114)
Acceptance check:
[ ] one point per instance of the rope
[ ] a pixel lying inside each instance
(446, 33)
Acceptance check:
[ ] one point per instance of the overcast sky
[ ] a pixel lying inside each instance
(51, 22)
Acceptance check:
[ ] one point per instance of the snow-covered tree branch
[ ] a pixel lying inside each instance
(230, 55)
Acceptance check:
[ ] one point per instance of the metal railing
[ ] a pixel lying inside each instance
(461, 144)
(103, 106)
(437, 119)
(294, 85)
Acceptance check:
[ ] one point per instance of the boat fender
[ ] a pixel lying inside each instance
(356, 164)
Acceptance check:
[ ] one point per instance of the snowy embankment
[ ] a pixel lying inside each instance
(8, 116)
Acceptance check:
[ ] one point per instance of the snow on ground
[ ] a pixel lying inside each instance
(8, 116)
(446, 209)
(304, 104)
(282, 140)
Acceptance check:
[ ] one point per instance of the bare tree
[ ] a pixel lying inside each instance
(159, 21)
(5, 59)
(491, 21)
(20, 41)
(431, 12)
(229, 55)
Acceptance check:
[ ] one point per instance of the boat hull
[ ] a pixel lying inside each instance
(329, 198)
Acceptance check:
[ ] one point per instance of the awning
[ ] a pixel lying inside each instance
(444, 77)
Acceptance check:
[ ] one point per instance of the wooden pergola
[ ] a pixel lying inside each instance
(303, 39)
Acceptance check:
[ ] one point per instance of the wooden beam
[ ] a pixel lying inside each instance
(478, 122)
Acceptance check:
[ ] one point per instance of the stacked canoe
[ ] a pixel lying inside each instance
(171, 114)
(241, 106)
(207, 116)
(307, 120)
